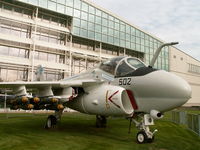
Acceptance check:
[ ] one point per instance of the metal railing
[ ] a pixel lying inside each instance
(191, 121)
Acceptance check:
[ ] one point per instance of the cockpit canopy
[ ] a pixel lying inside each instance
(121, 66)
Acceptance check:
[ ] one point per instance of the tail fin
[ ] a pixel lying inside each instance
(39, 73)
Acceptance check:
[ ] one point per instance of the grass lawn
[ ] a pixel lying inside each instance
(77, 132)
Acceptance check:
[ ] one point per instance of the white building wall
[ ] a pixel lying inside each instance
(179, 63)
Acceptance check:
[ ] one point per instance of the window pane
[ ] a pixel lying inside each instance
(43, 3)
(110, 39)
(111, 32)
(104, 15)
(91, 10)
(91, 18)
(52, 5)
(111, 18)
(34, 2)
(122, 27)
(116, 33)
(76, 30)
(117, 20)
(83, 33)
(133, 39)
(98, 12)
(132, 31)
(122, 35)
(69, 11)
(128, 37)
(98, 36)
(84, 15)
(76, 22)
(104, 30)
(77, 4)
(91, 34)
(117, 26)
(122, 43)
(137, 40)
(76, 13)
(133, 46)
(105, 22)
(138, 33)
(104, 38)
(84, 6)
(128, 29)
(127, 44)
(97, 28)
(116, 41)
(111, 24)
(91, 26)
(84, 24)
(68, 2)
(60, 8)
(3, 50)
(14, 51)
(137, 47)
(98, 20)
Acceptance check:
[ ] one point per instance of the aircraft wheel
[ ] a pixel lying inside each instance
(150, 140)
(51, 122)
(101, 121)
(141, 137)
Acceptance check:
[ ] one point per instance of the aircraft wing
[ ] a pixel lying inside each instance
(48, 88)
(53, 84)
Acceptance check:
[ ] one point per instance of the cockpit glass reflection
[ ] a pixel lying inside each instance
(135, 63)
(121, 66)
(123, 69)
(110, 65)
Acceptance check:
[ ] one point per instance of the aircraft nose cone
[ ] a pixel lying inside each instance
(186, 90)
(162, 91)
(177, 88)
(183, 89)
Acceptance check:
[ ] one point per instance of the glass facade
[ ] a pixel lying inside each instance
(93, 23)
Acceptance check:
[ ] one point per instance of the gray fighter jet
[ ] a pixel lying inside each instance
(121, 86)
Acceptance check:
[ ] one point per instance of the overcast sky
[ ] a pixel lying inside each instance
(170, 20)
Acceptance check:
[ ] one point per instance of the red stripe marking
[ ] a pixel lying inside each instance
(132, 99)
(110, 99)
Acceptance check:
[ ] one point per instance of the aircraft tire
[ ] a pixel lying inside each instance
(150, 140)
(141, 137)
(51, 122)
(101, 121)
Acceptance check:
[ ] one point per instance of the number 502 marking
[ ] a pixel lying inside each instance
(125, 81)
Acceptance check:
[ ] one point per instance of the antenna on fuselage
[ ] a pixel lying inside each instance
(158, 52)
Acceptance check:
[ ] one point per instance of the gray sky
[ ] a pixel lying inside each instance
(169, 20)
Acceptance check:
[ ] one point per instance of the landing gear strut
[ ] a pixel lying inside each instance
(145, 135)
(52, 120)
(101, 121)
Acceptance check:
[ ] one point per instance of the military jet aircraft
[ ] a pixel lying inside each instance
(121, 86)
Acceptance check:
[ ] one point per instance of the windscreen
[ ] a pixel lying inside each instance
(127, 66)
(110, 65)
(135, 63)
(123, 69)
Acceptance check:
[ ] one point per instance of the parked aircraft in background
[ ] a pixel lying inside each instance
(121, 86)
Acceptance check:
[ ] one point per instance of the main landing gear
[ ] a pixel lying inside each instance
(101, 121)
(145, 135)
(52, 120)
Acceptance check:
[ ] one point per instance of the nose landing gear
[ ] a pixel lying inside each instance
(145, 135)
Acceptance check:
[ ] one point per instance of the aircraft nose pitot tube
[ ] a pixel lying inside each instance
(104, 100)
